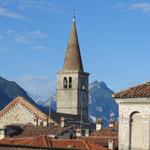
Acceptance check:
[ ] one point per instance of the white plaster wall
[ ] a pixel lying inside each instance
(126, 107)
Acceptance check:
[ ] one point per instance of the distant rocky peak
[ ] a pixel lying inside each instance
(101, 103)
(99, 85)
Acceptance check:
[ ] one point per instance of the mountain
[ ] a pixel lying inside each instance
(44, 100)
(101, 103)
(10, 90)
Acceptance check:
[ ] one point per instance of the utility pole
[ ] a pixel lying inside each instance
(49, 113)
(81, 105)
(81, 121)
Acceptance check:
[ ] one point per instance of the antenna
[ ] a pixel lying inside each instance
(49, 111)
(81, 121)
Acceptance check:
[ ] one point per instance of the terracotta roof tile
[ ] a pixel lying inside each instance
(101, 141)
(138, 91)
(107, 132)
(65, 143)
(34, 131)
(96, 147)
(41, 141)
(44, 142)
(101, 137)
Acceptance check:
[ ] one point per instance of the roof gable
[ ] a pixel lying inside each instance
(20, 100)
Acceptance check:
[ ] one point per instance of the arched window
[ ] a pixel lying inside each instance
(65, 83)
(70, 82)
(135, 131)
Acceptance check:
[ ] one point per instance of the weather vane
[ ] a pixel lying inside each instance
(74, 12)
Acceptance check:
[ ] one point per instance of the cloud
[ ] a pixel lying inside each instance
(2, 44)
(42, 5)
(38, 47)
(7, 13)
(38, 5)
(137, 7)
(33, 39)
(36, 34)
(28, 37)
(23, 39)
(141, 6)
(36, 85)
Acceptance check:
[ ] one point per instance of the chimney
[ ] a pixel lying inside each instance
(86, 132)
(110, 144)
(78, 132)
(111, 122)
(62, 122)
(99, 124)
(2, 132)
(45, 122)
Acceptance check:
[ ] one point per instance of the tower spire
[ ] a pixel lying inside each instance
(72, 81)
(73, 59)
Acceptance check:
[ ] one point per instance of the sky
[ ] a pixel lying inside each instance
(114, 37)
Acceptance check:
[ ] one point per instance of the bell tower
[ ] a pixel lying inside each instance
(72, 81)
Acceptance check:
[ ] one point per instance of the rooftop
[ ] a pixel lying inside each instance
(44, 141)
(139, 91)
(34, 131)
(102, 137)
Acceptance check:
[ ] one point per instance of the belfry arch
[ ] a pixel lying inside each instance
(65, 82)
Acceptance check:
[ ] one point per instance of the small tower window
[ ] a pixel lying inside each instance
(70, 82)
(65, 82)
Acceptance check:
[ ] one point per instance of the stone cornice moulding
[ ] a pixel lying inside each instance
(133, 101)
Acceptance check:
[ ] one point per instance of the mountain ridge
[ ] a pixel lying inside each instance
(101, 103)
(9, 90)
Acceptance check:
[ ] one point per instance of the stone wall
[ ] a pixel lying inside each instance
(19, 114)
(69, 99)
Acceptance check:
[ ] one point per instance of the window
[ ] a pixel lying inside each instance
(135, 131)
(65, 83)
(70, 82)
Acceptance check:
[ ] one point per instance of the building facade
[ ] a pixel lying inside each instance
(20, 111)
(72, 81)
(134, 118)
